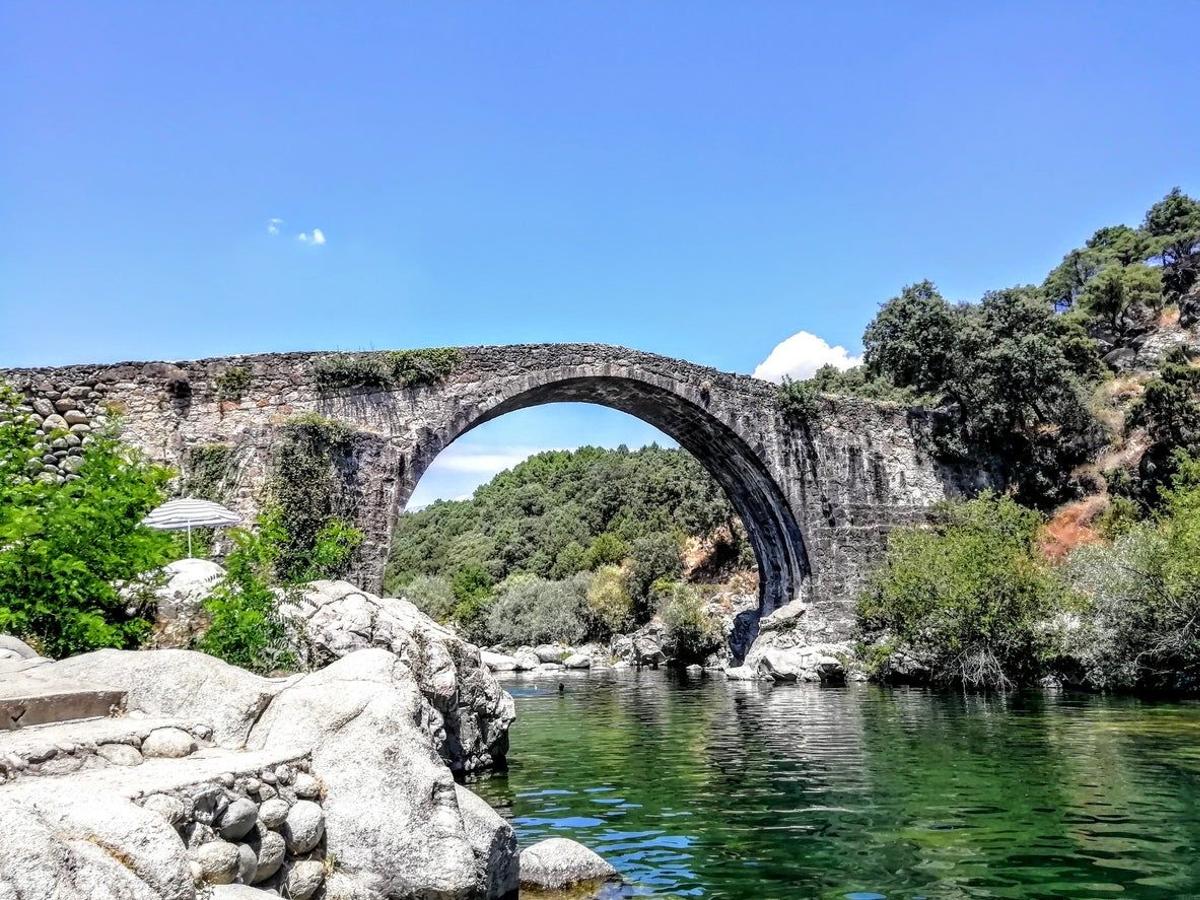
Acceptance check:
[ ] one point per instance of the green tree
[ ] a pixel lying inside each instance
(970, 595)
(1169, 411)
(653, 557)
(911, 339)
(532, 610)
(1117, 289)
(66, 548)
(1174, 227)
(245, 627)
(609, 605)
(692, 631)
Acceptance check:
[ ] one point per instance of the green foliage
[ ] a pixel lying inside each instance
(606, 549)
(911, 340)
(233, 382)
(970, 595)
(245, 628)
(65, 548)
(858, 382)
(1169, 410)
(433, 595)
(535, 517)
(378, 370)
(610, 608)
(1142, 628)
(207, 470)
(416, 367)
(304, 491)
(1174, 228)
(651, 558)
(799, 401)
(1118, 288)
(692, 631)
(1010, 375)
(532, 610)
(472, 588)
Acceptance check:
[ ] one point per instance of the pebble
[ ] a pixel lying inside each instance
(304, 879)
(273, 813)
(304, 827)
(168, 743)
(218, 861)
(238, 819)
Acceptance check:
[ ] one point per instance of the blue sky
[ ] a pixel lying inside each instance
(699, 179)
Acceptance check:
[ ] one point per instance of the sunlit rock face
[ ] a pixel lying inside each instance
(817, 498)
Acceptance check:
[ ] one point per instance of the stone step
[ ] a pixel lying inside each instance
(65, 747)
(27, 699)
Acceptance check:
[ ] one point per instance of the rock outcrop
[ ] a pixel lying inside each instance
(334, 618)
(250, 781)
(785, 651)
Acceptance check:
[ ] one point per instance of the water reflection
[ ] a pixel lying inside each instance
(718, 789)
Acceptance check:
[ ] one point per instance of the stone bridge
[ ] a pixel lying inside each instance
(817, 500)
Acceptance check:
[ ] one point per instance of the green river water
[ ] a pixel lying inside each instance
(708, 788)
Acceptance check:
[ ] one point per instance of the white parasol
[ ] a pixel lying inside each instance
(178, 515)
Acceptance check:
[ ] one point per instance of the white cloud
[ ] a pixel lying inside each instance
(800, 356)
(273, 225)
(316, 237)
(485, 463)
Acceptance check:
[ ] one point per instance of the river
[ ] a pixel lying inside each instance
(706, 788)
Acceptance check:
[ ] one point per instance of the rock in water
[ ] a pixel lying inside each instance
(493, 842)
(557, 863)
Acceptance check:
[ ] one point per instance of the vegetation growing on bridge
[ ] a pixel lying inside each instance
(233, 382)
(385, 369)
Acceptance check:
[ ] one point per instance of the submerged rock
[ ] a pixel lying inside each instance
(557, 863)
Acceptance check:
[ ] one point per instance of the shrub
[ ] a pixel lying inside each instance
(66, 548)
(472, 587)
(651, 557)
(610, 608)
(970, 596)
(433, 595)
(410, 368)
(1142, 623)
(233, 382)
(531, 610)
(304, 490)
(351, 370)
(799, 401)
(245, 628)
(606, 549)
(692, 631)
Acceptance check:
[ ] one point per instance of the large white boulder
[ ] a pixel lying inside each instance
(179, 683)
(82, 847)
(493, 842)
(393, 816)
(785, 651)
(557, 863)
(180, 614)
(334, 618)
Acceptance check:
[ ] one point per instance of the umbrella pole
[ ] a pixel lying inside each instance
(189, 540)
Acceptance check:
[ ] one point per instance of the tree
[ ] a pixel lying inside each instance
(651, 557)
(609, 604)
(910, 339)
(1117, 289)
(532, 610)
(1169, 410)
(692, 631)
(969, 595)
(65, 549)
(1173, 224)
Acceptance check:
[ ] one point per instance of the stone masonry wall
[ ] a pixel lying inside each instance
(818, 501)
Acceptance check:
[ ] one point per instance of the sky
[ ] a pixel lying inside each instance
(705, 180)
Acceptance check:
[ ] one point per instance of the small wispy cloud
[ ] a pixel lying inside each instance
(273, 225)
(316, 237)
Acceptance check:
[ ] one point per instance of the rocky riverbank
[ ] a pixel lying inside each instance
(167, 774)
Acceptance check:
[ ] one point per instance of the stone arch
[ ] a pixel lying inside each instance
(677, 409)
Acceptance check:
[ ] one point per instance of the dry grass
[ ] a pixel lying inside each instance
(1071, 526)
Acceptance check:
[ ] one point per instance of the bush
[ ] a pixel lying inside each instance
(691, 629)
(606, 549)
(233, 383)
(432, 594)
(409, 368)
(970, 596)
(531, 610)
(610, 607)
(1142, 624)
(651, 557)
(66, 548)
(395, 368)
(245, 628)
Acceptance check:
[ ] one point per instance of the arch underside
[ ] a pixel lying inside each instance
(775, 536)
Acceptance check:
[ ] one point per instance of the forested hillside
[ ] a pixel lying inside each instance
(575, 544)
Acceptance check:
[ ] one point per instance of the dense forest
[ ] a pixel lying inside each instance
(601, 533)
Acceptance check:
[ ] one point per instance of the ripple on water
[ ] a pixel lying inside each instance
(724, 790)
